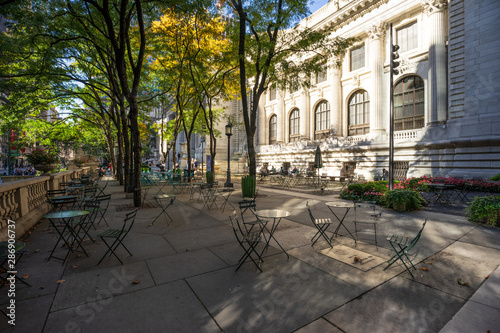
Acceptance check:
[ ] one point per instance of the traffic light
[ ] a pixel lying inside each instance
(394, 55)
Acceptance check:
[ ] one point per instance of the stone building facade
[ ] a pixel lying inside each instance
(447, 111)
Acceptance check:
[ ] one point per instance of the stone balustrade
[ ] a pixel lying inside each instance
(25, 201)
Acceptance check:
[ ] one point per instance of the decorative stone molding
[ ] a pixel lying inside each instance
(356, 81)
(433, 6)
(377, 31)
(407, 66)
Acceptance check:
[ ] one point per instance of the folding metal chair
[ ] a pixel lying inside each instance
(402, 245)
(322, 225)
(88, 220)
(118, 235)
(248, 241)
(104, 200)
(374, 216)
(101, 189)
(158, 199)
(249, 223)
(209, 197)
(60, 204)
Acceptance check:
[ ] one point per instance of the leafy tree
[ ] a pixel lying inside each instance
(272, 49)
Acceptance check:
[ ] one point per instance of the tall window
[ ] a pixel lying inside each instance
(272, 94)
(273, 129)
(358, 57)
(322, 120)
(409, 103)
(294, 126)
(322, 75)
(406, 37)
(359, 113)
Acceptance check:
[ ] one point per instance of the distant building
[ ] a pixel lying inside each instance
(447, 109)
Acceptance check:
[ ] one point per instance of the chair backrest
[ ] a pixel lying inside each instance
(51, 193)
(364, 204)
(90, 192)
(246, 205)
(417, 237)
(92, 207)
(101, 190)
(238, 231)
(103, 198)
(66, 204)
(310, 213)
(128, 222)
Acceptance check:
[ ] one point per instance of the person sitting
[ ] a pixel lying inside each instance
(385, 174)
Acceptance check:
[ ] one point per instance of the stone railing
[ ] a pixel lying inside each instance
(25, 203)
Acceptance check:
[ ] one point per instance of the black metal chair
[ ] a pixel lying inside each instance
(104, 200)
(402, 245)
(371, 209)
(322, 225)
(118, 235)
(248, 241)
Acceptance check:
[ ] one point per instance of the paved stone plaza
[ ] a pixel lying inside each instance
(181, 277)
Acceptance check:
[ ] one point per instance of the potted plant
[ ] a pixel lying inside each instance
(79, 162)
(485, 210)
(44, 160)
(403, 200)
(248, 186)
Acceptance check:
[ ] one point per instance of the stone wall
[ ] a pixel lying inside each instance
(24, 201)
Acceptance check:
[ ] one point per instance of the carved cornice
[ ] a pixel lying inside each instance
(377, 31)
(433, 6)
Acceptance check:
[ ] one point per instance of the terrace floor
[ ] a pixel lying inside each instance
(181, 277)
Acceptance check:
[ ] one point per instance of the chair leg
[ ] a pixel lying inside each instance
(110, 249)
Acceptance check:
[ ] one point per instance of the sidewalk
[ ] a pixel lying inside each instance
(181, 277)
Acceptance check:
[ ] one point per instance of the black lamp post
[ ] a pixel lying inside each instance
(169, 146)
(202, 155)
(229, 132)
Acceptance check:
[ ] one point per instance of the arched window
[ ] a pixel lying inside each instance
(294, 126)
(322, 120)
(359, 113)
(273, 129)
(409, 103)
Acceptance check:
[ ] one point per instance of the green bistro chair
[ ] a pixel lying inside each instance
(402, 245)
(116, 236)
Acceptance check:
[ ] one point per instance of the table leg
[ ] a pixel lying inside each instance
(341, 223)
(271, 235)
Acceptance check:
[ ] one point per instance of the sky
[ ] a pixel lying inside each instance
(314, 5)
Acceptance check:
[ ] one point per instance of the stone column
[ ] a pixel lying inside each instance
(262, 125)
(279, 110)
(335, 97)
(378, 93)
(437, 77)
(305, 115)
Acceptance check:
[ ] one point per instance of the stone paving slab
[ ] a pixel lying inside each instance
(31, 315)
(320, 325)
(85, 287)
(281, 299)
(167, 308)
(183, 265)
(399, 305)
(200, 238)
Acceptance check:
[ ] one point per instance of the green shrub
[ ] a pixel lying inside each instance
(403, 200)
(369, 191)
(496, 177)
(484, 210)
